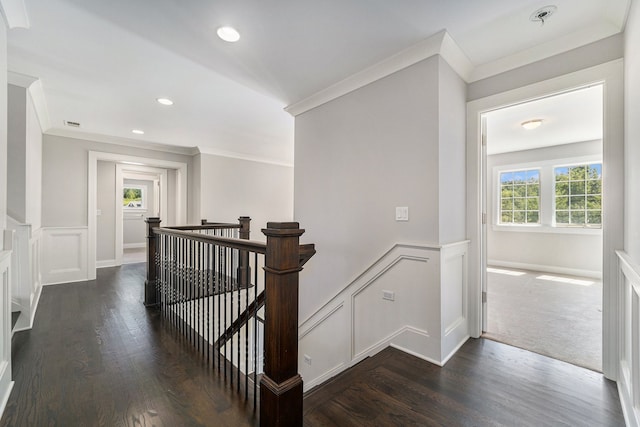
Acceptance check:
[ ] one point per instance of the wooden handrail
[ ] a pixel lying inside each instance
(209, 226)
(281, 385)
(246, 245)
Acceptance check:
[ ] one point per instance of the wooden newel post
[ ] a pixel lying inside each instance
(281, 385)
(150, 298)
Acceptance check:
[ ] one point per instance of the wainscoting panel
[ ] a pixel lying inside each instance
(64, 256)
(5, 322)
(26, 275)
(398, 301)
(629, 376)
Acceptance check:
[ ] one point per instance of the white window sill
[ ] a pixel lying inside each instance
(546, 229)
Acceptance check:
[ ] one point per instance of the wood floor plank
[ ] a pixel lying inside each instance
(484, 384)
(97, 357)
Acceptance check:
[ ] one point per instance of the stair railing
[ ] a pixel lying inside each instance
(216, 291)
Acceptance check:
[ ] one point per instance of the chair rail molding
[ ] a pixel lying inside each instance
(414, 298)
(629, 313)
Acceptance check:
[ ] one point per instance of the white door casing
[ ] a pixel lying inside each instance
(610, 75)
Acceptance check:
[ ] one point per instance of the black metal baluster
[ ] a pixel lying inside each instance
(255, 329)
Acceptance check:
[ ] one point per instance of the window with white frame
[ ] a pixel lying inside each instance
(134, 197)
(520, 197)
(578, 195)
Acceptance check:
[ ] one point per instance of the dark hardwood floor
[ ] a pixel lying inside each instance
(485, 384)
(97, 357)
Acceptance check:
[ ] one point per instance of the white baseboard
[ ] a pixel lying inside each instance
(134, 245)
(631, 415)
(594, 274)
(107, 263)
(5, 397)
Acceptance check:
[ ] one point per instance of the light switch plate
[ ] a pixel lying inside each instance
(402, 213)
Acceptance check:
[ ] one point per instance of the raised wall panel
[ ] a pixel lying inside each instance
(5, 328)
(64, 255)
(629, 375)
(429, 286)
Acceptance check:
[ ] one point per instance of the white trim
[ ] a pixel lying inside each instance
(134, 245)
(611, 75)
(35, 89)
(117, 140)
(594, 274)
(107, 263)
(123, 172)
(340, 319)
(5, 397)
(250, 158)
(629, 309)
(58, 265)
(15, 13)
(94, 156)
(440, 43)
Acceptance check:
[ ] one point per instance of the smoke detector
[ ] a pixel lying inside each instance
(543, 14)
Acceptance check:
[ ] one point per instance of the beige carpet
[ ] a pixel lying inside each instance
(555, 315)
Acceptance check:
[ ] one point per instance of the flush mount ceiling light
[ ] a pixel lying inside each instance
(164, 101)
(228, 34)
(531, 124)
(138, 132)
(541, 15)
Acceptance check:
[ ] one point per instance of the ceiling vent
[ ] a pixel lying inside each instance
(543, 14)
(71, 124)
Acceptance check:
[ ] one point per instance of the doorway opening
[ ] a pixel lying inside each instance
(544, 189)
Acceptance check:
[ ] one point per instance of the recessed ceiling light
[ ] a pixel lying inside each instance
(164, 101)
(228, 34)
(138, 132)
(531, 124)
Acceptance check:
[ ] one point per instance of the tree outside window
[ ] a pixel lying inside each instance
(578, 195)
(520, 197)
(133, 198)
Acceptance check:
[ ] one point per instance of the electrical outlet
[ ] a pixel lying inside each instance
(307, 359)
(389, 295)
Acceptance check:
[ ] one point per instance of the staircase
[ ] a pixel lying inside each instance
(235, 301)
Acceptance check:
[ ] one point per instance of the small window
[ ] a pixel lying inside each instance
(578, 198)
(133, 197)
(520, 197)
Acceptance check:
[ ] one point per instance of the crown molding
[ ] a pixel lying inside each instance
(232, 155)
(117, 140)
(15, 13)
(33, 85)
(440, 43)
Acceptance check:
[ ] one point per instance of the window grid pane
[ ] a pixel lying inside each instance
(578, 195)
(520, 197)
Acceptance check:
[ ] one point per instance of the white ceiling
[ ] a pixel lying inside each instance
(566, 118)
(103, 63)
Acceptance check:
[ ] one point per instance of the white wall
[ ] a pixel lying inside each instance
(632, 133)
(64, 169)
(559, 252)
(357, 158)
(3, 129)
(399, 141)
(452, 155)
(106, 221)
(5, 260)
(629, 378)
(596, 53)
(231, 188)
(17, 153)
